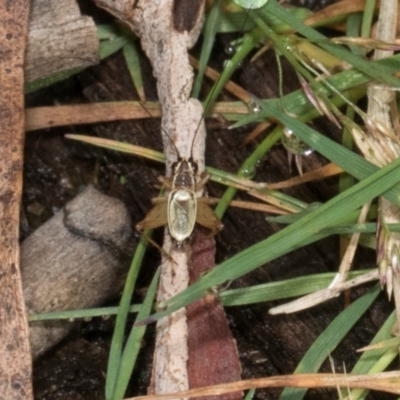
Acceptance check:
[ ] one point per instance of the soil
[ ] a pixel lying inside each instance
(56, 169)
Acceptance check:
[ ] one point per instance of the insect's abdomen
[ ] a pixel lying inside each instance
(182, 209)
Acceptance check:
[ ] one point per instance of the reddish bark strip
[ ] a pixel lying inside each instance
(213, 356)
(15, 356)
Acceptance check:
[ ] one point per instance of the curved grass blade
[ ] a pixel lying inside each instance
(132, 62)
(324, 345)
(373, 361)
(380, 74)
(288, 239)
(346, 159)
(134, 341)
(114, 360)
(210, 31)
(73, 314)
(280, 290)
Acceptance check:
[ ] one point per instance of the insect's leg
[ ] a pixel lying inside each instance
(155, 218)
(204, 178)
(206, 216)
(167, 182)
(159, 200)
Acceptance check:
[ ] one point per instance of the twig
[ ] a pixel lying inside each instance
(48, 117)
(166, 35)
(15, 356)
(385, 382)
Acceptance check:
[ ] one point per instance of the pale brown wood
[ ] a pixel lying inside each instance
(59, 38)
(385, 382)
(15, 356)
(165, 39)
(48, 117)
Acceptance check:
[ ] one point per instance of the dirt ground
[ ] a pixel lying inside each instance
(56, 170)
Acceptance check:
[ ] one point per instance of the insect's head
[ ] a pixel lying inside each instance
(184, 166)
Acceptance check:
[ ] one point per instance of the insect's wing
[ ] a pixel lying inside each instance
(182, 210)
(156, 217)
(206, 217)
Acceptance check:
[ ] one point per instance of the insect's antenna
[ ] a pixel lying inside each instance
(165, 132)
(208, 105)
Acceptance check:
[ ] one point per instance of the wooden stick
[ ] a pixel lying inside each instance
(15, 354)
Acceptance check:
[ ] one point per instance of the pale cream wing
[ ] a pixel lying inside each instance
(182, 210)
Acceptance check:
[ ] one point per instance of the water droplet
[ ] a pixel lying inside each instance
(253, 106)
(308, 152)
(288, 44)
(249, 172)
(294, 145)
(251, 4)
(230, 49)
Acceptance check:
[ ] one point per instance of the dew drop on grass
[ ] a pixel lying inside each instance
(249, 172)
(230, 49)
(253, 106)
(251, 4)
(294, 145)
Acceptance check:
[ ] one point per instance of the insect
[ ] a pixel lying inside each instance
(182, 208)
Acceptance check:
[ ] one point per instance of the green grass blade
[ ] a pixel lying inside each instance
(370, 359)
(324, 345)
(250, 394)
(368, 16)
(380, 74)
(297, 102)
(107, 31)
(346, 159)
(73, 314)
(234, 22)
(30, 87)
(134, 341)
(280, 290)
(114, 360)
(210, 30)
(132, 62)
(248, 43)
(109, 47)
(290, 238)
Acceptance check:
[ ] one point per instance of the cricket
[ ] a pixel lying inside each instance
(182, 209)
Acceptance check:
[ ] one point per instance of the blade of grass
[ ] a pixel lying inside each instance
(210, 30)
(368, 361)
(347, 160)
(297, 102)
(114, 360)
(280, 290)
(234, 22)
(133, 344)
(381, 74)
(132, 62)
(324, 345)
(72, 314)
(368, 17)
(289, 238)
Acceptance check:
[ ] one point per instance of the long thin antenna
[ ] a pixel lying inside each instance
(165, 132)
